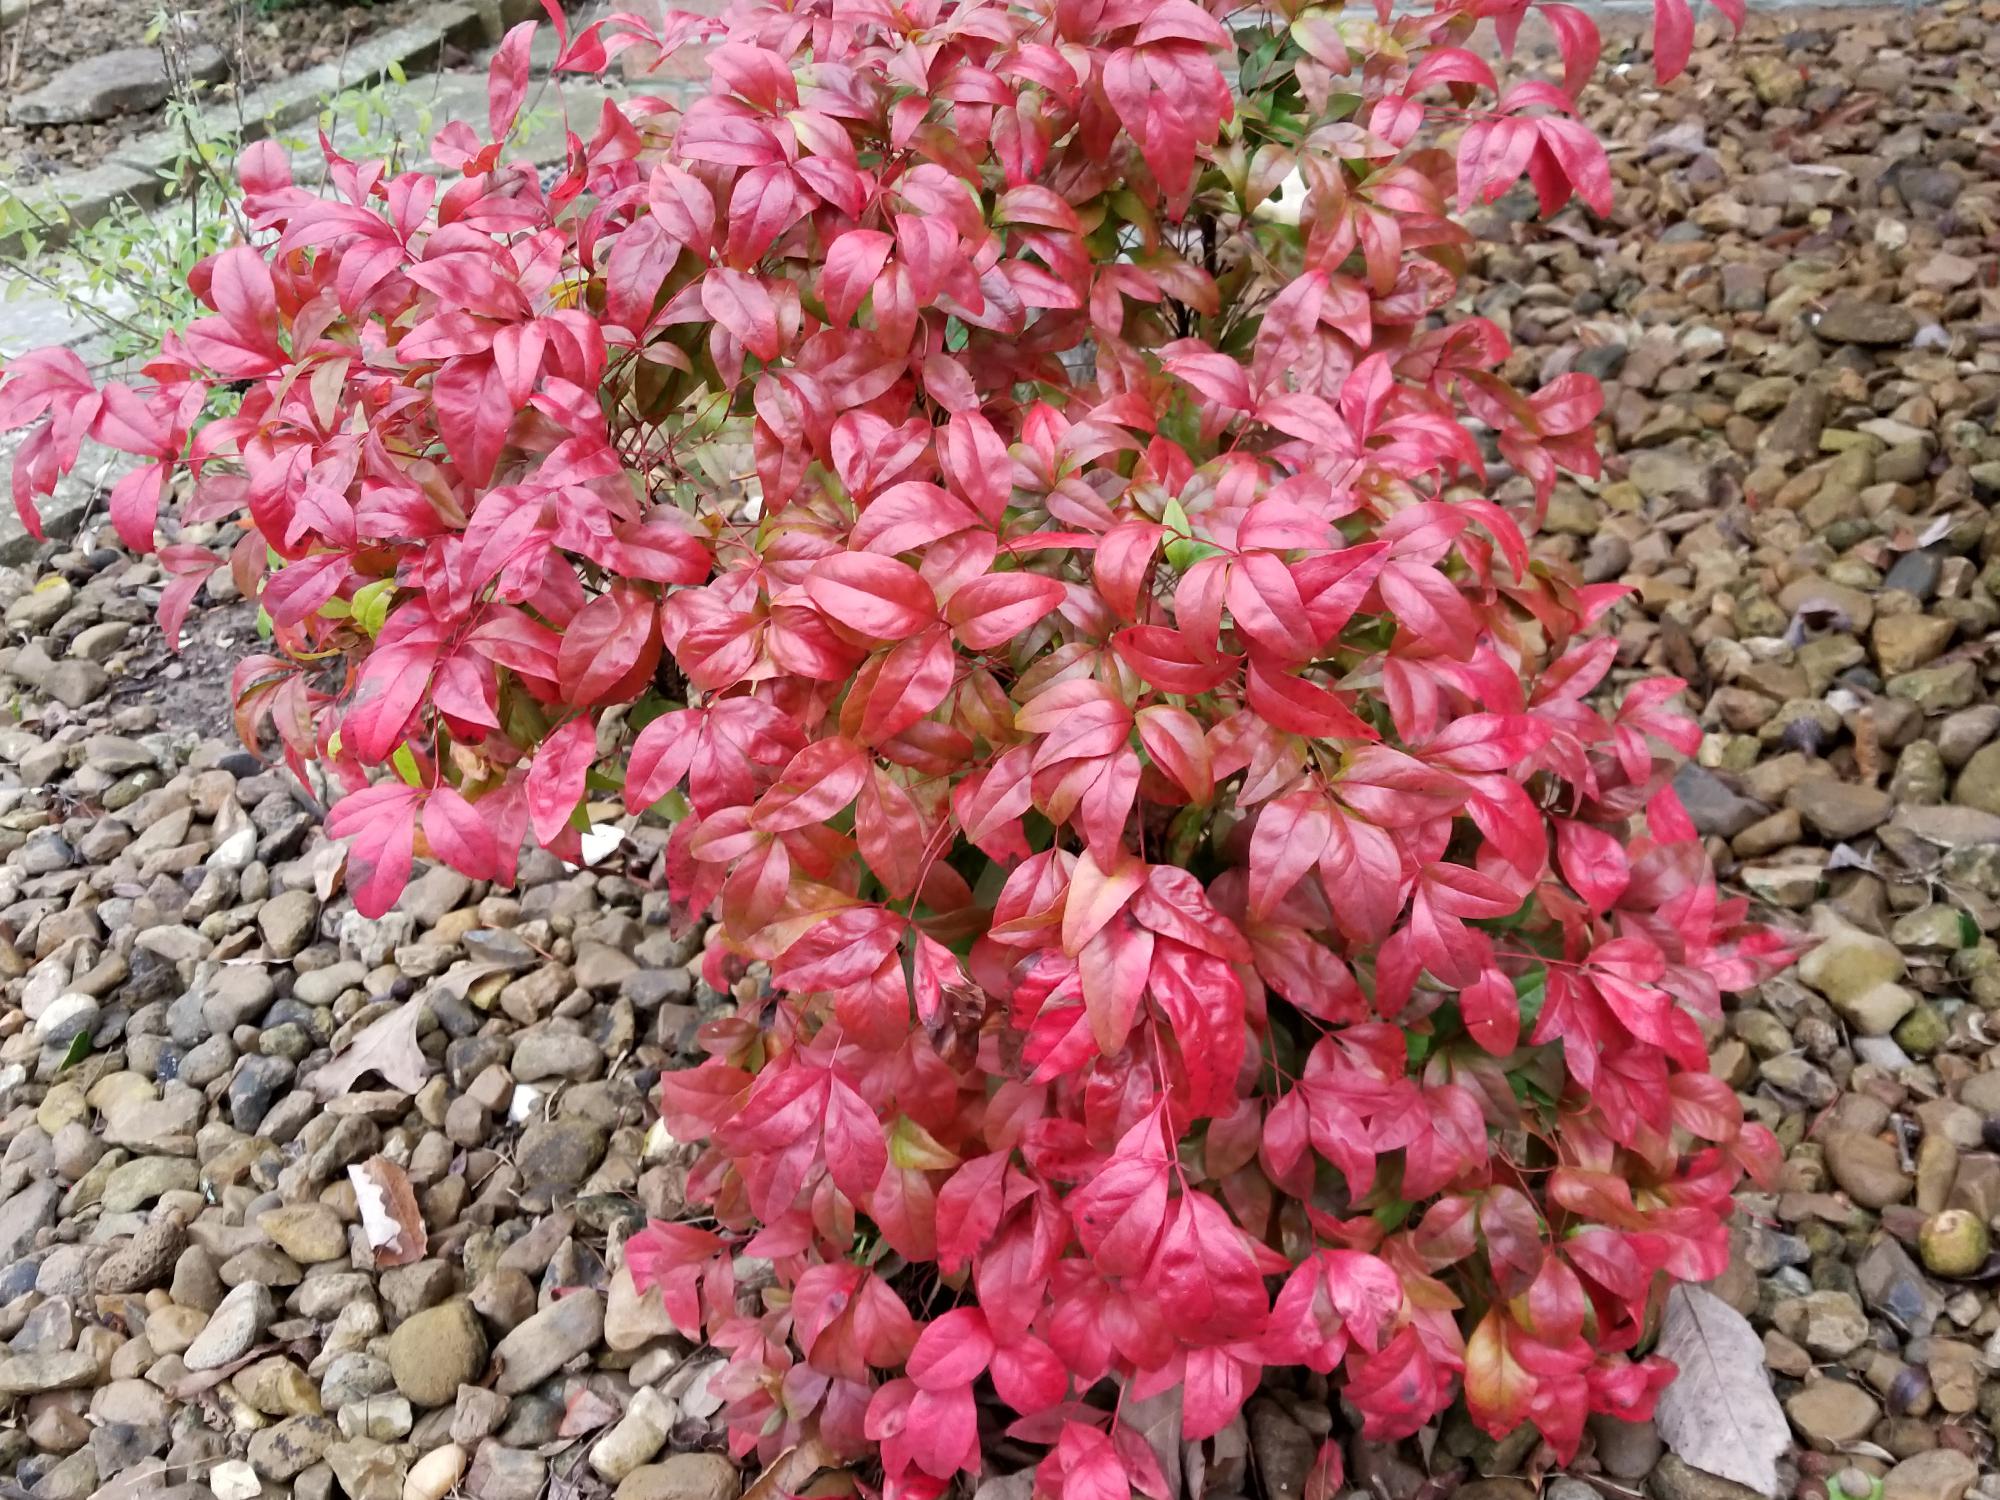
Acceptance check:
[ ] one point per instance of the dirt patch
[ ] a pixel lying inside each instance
(261, 41)
(190, 687)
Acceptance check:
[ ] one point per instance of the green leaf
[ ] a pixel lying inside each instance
(648, 708)
(77, 1051)
(1533, 992)
(370, 605)
(1392, 1214)
(405, 763)
(1183, 551)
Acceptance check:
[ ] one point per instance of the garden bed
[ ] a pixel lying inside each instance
(258, 42)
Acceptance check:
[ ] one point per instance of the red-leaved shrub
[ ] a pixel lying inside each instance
(1208, 925)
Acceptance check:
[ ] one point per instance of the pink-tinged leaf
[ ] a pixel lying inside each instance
(382, 822)
(507, 79)
(953, 1350)
(1452, 65)
(1120, 1212)
(672, 1259)
(459, 834)
(392, 684)
(242, 341)
(1028, 1375)
(1328, 1473)
(741, 303)
(1578, 42)
(969, 1207)
(910, 516)
(608, 638)
(818, 783)
(993, 610)
(1213, 1390)
(853, 261)
(1673, 38)
(1299, 706)
(1492, 1012)
(1593, 861)
(188, 568)
(876, 597)
(1172, 661)
(556, 778)
(1215, 377)
(683, 205)
(986, 804)
(660, 757)
(1581, 156)
(135, 505)
(976, 464)
(1084, 1466)
(1173, 737)
(473, 413)
(856, 1154)
(1095, 896)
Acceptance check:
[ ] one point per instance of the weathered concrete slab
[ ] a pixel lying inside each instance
(125, 81)
(133, 172)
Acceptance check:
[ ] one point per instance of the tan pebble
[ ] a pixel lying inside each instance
(433, 1475)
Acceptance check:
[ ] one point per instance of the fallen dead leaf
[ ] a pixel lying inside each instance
(388, 1047)
(390, 1216)
(804, 1470)
(1718, 1415)
(1157, 1419)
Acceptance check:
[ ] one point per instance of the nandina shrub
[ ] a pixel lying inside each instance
(1189, 914)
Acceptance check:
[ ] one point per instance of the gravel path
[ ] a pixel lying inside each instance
(1796, 317)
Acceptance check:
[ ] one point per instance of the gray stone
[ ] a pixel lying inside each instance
(43, 605)
(1716, 808)
(46, 1370)
(288, 922)
(125, 81)
(549, 1340)
(258, 1084)
(560, 1153)
(502, 1473)
(1867, 1168)
(556, 1054)
(1849, 320)
(1892, 1285)
(141, 1180)
(439, 890)
(233, 1327)
(237, 995)
(25, 1215)
(1839, 809)
(76, 683)
(291, 1447)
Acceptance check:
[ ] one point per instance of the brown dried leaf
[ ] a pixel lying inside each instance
(390, 1216)
(802, 1470)
(388, 1047)
(195, 1382)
